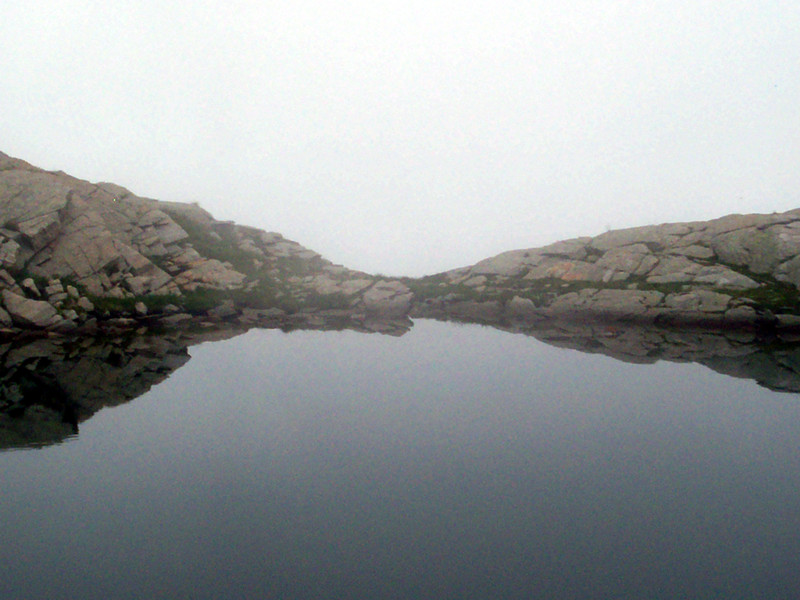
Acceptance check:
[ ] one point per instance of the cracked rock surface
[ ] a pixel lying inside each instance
(738, 269)
(107, 243)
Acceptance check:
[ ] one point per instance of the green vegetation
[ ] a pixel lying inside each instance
(774, 295)
(771, 294)
(540, 291)
(221, 245)
(201, 300)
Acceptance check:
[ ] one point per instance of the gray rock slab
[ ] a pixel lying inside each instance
(661, 235)
(721, 276)
(519, 307)
(508, 263)
(30, 313)
(388, 297)
(698, 301)
(574, 249)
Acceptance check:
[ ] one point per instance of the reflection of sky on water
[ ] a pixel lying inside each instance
(455, 461)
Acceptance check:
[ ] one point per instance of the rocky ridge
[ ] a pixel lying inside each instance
(735, 270)
(74, 254)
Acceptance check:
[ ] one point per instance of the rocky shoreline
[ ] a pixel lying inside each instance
(102, 292)
(739, 271)
(78, 258)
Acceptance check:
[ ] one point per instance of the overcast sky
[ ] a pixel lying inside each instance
(410, 138)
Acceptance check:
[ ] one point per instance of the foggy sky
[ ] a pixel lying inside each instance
(410, 138)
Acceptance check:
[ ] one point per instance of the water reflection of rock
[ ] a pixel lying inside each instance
(49, 385)
(772, 361)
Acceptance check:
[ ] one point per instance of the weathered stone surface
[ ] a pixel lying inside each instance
(756, 249)
(70, 315)
(176, 319)
(723, 277)
(29, 313)
(476, 281)
(633, 260)
(118, 245)
(85, 304)
(625, 302)
(9, 251)
(210, 273)
(508, 264)
(789, 271)
(616, 304)
(709, 261)
(53, 287)
(788, 320)
(692, 251)
(29, 285)
(567, 270)
(574, 249)
(520, 307)
(326, 284)
(224, 310)
(658, 235)
(742, 314)
(39, 222)
(354, 286)
(698, 301)
(388, 298)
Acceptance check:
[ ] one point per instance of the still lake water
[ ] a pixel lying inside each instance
(453, 462)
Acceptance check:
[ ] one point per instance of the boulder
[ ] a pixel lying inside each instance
(225, 310)
(508, 264)
(9, 251)
(703, 301)
(85, 304)
(519, 307)
(756, 249)
(632, 260)
(30, 313)
(29, 285)
(388, 298)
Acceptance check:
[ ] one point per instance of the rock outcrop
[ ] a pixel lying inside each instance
(86, 251)
(74, 254)
(736, 270)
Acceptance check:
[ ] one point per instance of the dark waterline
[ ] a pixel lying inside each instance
(453, 462)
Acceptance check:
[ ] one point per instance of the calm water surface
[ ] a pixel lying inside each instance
(453, 462)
